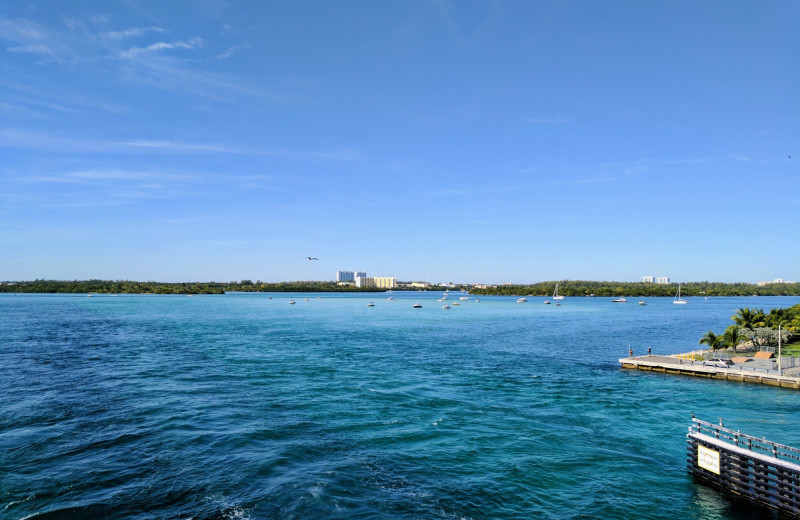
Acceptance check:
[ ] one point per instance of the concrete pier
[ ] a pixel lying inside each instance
(737, 372)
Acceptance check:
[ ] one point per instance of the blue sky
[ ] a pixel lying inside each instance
(428, 140)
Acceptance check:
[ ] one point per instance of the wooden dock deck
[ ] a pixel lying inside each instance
(677, 366)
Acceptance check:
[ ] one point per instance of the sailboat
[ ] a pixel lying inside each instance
(555, 294)
(678, 300)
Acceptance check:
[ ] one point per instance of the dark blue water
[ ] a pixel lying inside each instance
(241, 406)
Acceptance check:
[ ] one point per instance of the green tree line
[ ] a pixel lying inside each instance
(133, 287)
(566, 288)
(616, 289)
(756, 327)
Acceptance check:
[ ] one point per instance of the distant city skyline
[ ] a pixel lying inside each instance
(435, 141)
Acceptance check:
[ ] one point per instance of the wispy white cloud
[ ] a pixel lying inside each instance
(33, 48)
(192, 43)
(133, 32)
(177, 146)
(19, 110)
(228, 53)
(27, 96)
(166, 72)
(108, 177)
(28, 37)
(13, 138)
(170, 65)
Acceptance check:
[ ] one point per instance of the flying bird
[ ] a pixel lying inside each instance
(312, 258)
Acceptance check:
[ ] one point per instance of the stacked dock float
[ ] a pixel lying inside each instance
(763, 472)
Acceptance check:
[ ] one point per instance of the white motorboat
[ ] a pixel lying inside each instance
(642, 302)
(619, 300)
(522, 300)
(417, 306)
(370, 304)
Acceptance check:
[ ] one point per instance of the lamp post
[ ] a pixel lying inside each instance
(780, 372)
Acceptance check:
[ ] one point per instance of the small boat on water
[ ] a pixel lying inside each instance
(370, 304)
(464, 298)
(291, 302)
(477, 301)
(678, 300)
(556, 295)
(558, 304)
(522, 300)
(619, 300)
(445, 306)
(456, 303)
(417, 306)
(642, 302)
(547, 302)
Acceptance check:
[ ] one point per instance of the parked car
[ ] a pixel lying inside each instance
(718, 362)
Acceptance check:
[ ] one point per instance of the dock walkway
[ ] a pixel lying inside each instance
(746, 372)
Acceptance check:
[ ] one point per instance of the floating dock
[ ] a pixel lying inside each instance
(760, 471)
(678, 366)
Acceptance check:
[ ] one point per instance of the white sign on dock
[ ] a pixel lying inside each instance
(708, 459)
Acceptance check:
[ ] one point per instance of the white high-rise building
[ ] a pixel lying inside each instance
(363, 281)
(647, 279)
(662, 280)
(345, 276)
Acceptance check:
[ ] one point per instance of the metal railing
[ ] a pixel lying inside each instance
(755, 444)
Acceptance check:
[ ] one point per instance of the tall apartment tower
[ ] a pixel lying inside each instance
(662, 280)
(345, 276)
(647, 279)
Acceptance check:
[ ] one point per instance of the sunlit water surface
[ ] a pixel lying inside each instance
(243, 406)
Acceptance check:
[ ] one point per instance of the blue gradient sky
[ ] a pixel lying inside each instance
(429, 140)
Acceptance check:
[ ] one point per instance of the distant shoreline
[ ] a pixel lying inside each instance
(569, 288)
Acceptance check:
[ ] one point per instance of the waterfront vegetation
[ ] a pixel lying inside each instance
(616, 289)
(569, 288)
(754, 328)
(131, 287)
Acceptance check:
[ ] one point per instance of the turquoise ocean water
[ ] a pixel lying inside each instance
(242, 406)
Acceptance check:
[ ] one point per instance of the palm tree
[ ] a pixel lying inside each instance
(749, 318)
(732, 336)
(775, 317)
(712, 340)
